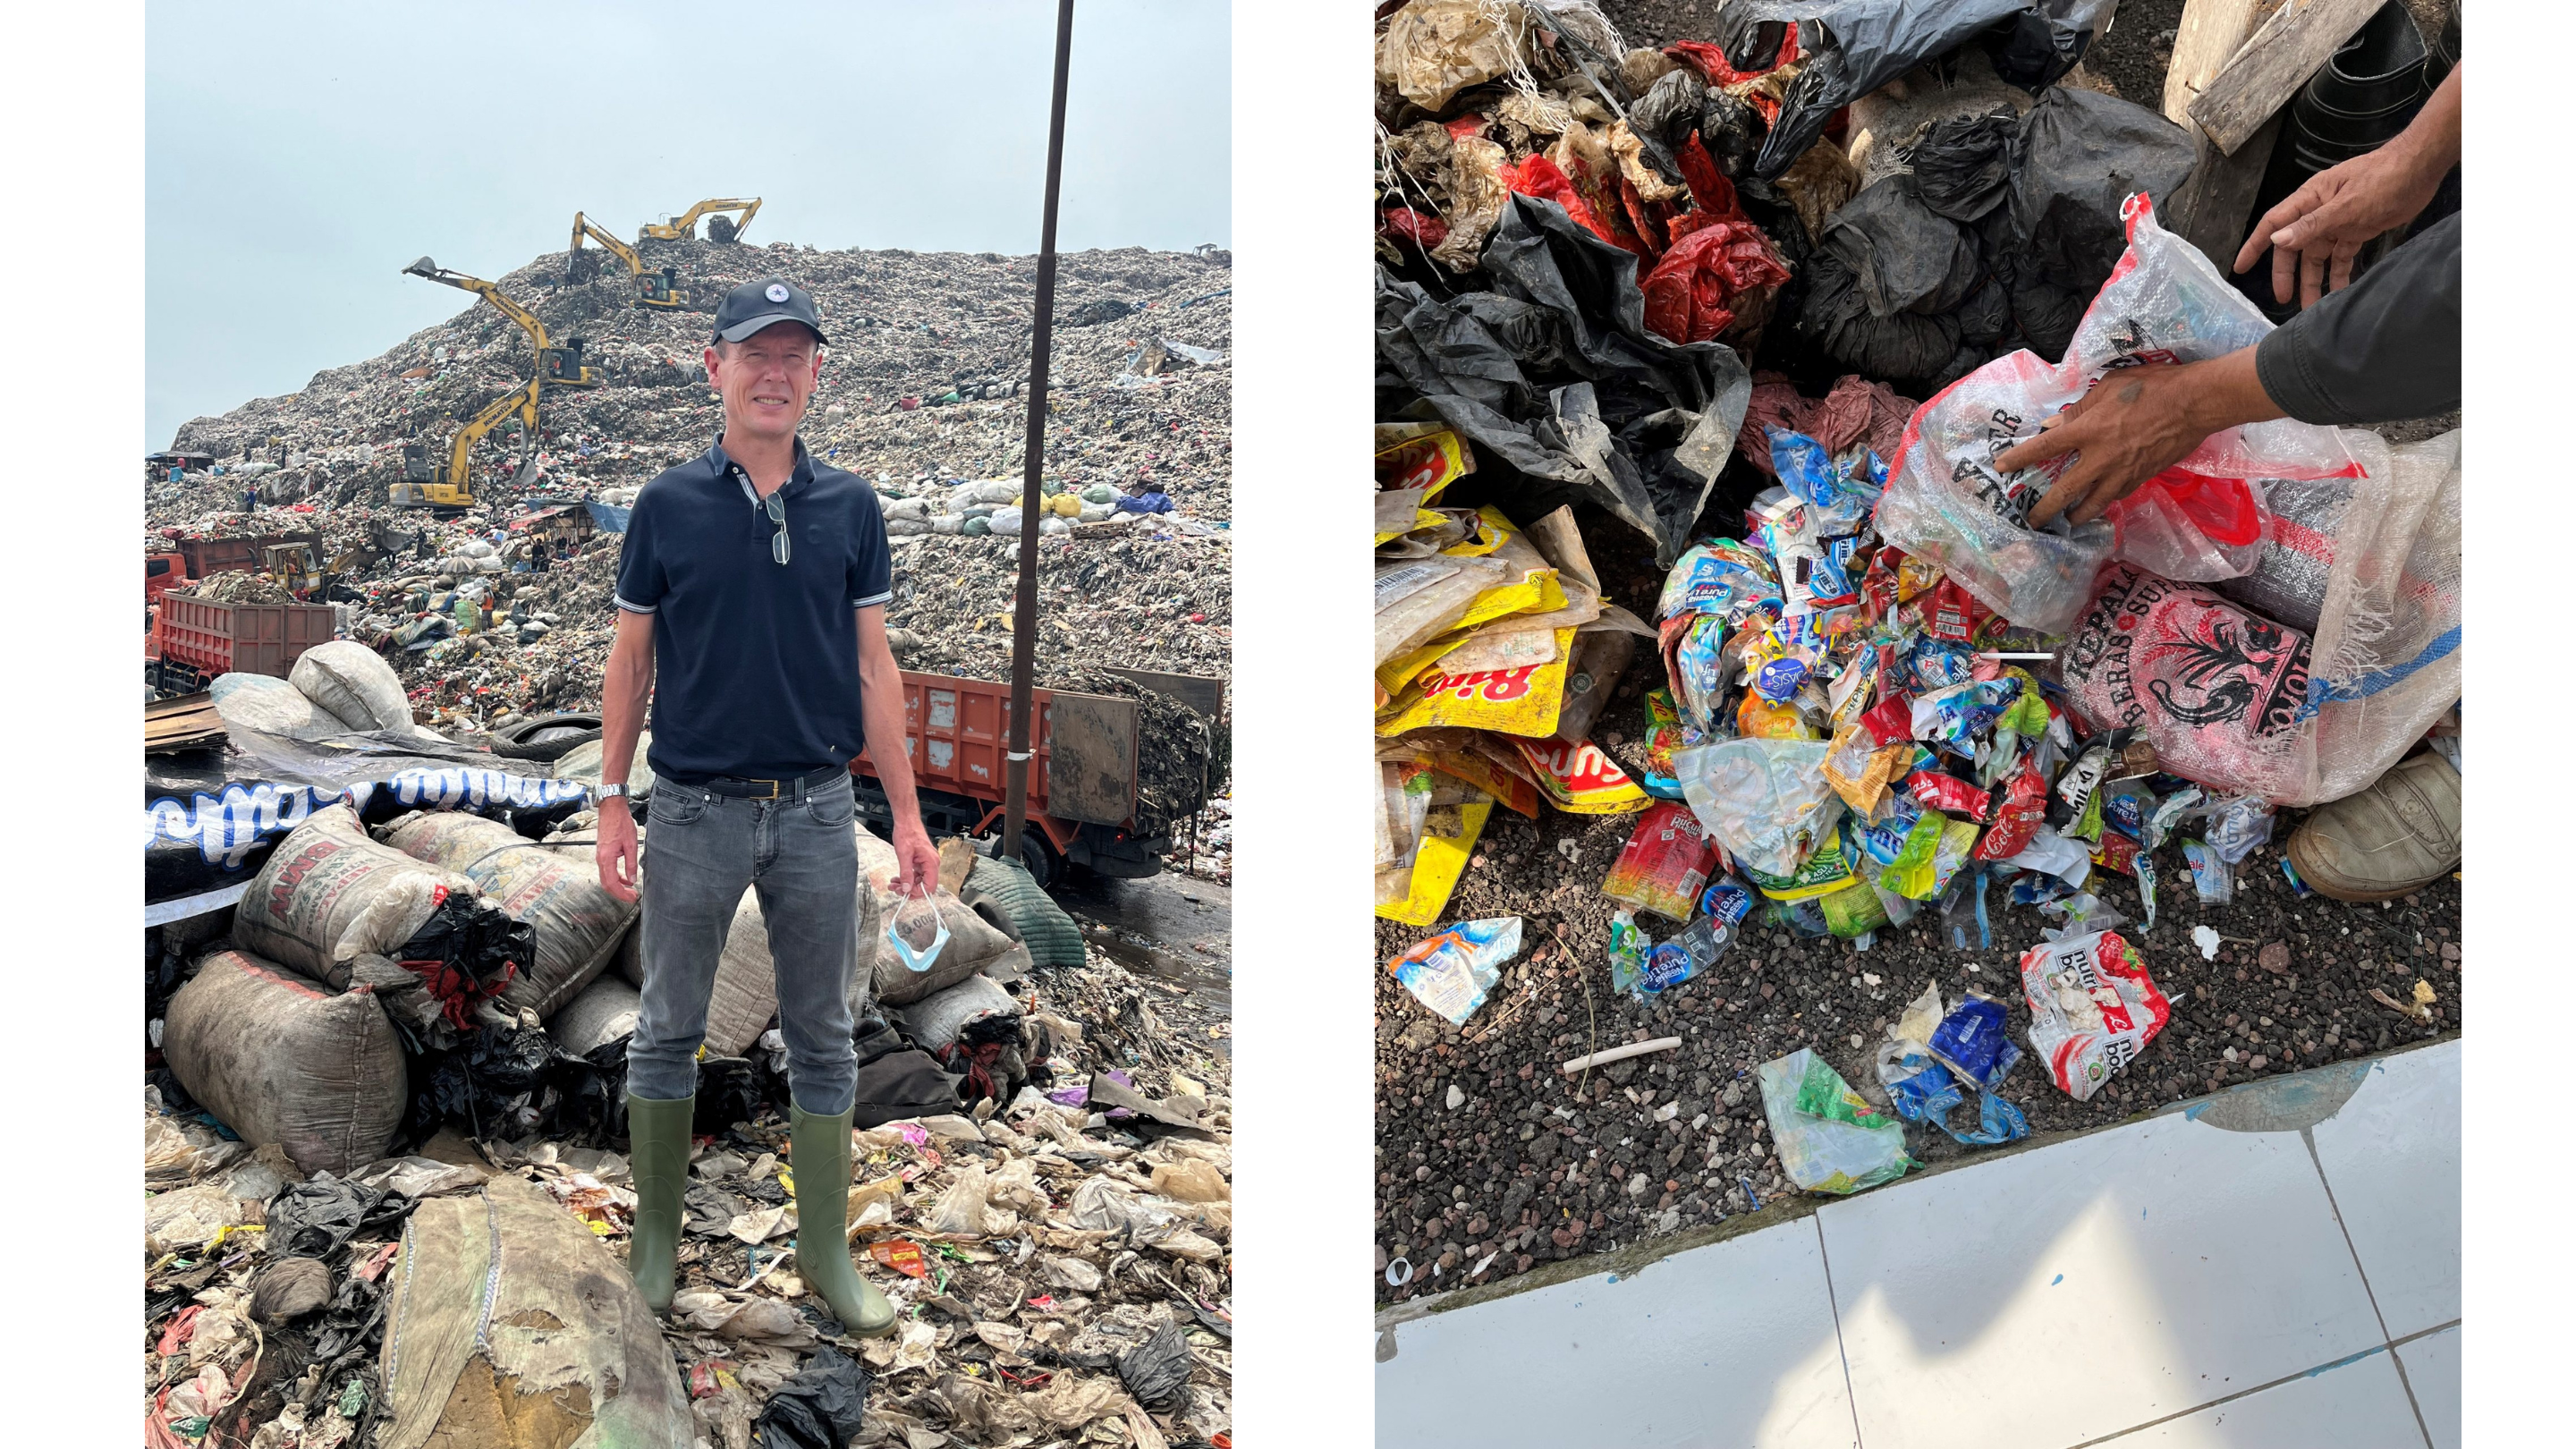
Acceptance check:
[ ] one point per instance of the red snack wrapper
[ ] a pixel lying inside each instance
(2116, 852)
(1668, 858)
(1891, 720)
(1936, 791)
(2017, 816)
(1953, 613)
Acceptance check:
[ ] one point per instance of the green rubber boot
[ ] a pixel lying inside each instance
(819, 1148)
(658, 1141)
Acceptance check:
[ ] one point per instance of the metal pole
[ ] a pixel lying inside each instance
(1024, 619)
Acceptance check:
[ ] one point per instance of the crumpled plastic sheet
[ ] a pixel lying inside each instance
(1555, 373)
(823, 1407)
(1855, 46)
(1767, 801)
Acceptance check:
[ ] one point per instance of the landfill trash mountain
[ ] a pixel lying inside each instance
(923, 392)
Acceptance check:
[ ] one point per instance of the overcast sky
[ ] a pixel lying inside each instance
(298, 156)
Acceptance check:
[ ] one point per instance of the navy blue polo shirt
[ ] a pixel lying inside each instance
(756, 666)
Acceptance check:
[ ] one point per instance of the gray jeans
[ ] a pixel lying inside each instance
(701, 852)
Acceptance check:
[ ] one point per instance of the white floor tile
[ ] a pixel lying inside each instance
(2358, 1405)
(2088, 1287)
(2433, 1372)
(1730, 1346)
(2392, 1156)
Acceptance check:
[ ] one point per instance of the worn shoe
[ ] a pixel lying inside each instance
(658, 1140)
(2399, 835)
(819, 1149)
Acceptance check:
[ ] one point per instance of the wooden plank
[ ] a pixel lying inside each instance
(2214, 207)
(185, 723)
(2273, 64)
(2211, 33)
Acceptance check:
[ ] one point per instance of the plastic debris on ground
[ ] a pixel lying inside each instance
(1067, 1265)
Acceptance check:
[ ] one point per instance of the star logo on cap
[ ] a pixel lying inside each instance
(778, 291)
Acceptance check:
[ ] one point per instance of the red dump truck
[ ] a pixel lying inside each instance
(196, 639)
(1082, 781)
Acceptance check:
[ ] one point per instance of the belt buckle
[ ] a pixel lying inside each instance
(773, 791)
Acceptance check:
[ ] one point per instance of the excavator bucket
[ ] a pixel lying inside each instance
(720, 229)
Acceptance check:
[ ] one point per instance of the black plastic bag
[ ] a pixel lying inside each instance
(1665, 116)
(1963, 165)
(1852, 47)
(492, 1084)
(1156, 1370)
(822, 1407)
(1903, 349)
(1554, 374)
(897, 1081)
(2079, 155)
(1903, 256)
(317, 1217)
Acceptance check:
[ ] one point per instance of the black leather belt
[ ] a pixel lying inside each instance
(795, 789)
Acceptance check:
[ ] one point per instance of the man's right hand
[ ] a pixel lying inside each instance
(620, 857)
(2317, 231)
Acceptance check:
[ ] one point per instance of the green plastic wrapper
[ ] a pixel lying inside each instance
(1830, 1139)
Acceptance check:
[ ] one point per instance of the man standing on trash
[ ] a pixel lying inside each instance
(753, 588)
(2381, 349)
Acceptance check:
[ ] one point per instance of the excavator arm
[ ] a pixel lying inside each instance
(583, 226)
(722, 228)
(521, 400)
(499, 299)
(559, 366)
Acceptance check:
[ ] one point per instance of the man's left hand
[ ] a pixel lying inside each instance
(919, 875)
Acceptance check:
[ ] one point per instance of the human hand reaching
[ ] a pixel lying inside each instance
(2316, 231)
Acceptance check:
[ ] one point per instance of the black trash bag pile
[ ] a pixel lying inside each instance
(1555, 375)
(1849, 48)
(821, 1408)
(1993, 240)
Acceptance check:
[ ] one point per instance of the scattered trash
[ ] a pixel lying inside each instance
(2093, 1008)
(1620, 1054)
(1830, 1140)
(1451, 972)
(2207, 940)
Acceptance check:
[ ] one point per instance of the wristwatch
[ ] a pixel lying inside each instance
(609, 792)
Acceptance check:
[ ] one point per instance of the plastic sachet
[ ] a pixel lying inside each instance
(1452, 971)
(2093, 1008)
(1830, 1139)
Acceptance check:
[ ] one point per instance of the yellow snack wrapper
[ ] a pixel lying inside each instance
(1437, 866)
(1759, 719)
(1580, 780)
(1519, 701)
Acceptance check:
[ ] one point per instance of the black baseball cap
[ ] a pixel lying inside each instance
(754, 305)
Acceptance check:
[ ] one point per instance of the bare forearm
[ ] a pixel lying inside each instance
(624, 695)
(881, 714)
(2431, 142)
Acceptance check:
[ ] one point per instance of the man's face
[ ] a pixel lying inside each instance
(766, 380)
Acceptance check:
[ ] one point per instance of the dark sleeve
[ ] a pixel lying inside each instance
(640, 580)
(2384, 349)
(872, 562)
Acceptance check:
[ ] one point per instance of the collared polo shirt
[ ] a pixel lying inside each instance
(756, 665)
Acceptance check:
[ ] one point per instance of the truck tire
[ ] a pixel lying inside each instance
(1039, 857)
(520, 742)
(1004, 890)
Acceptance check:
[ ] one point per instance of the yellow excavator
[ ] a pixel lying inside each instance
(652, 289)
(720, 228)
(556, 366)
(426, 484)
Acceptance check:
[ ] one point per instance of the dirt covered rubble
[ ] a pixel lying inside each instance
(921, 392)
(1073, 1283)
(1491, 1162)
